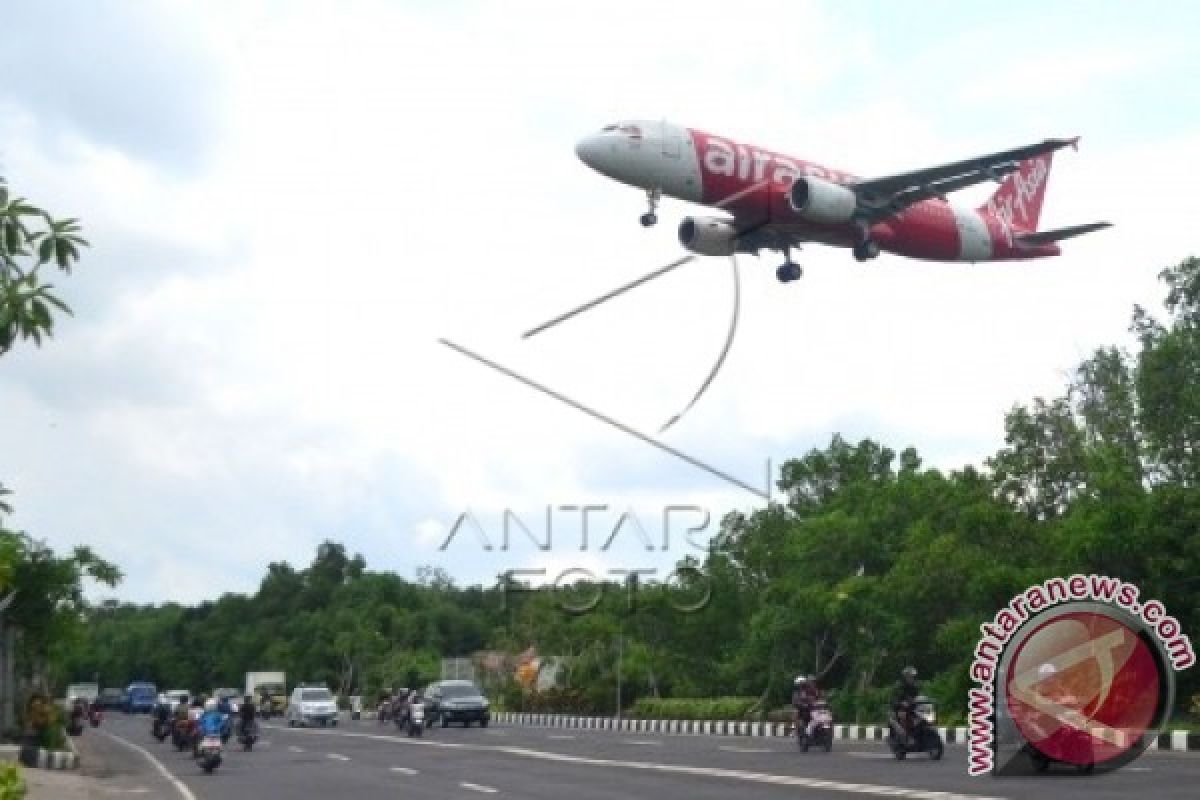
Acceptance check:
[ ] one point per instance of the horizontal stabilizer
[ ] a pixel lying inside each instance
(1046, 237)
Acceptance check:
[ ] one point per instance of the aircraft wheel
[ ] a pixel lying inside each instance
(786, 273)
(648, 219)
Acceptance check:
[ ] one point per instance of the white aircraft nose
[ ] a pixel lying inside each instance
(591, 150)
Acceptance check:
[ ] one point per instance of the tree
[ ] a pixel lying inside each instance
(30, 239)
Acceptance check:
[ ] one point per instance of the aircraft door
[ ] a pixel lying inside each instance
(671, 140)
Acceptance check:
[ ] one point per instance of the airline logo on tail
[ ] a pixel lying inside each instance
(1018, 202)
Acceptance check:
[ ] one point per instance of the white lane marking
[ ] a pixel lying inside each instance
(184, 791)
(295, 749)
(683, 769)
(404, 770)
(746, 749)
(475, 787)
(559, 736)
(338, 756)
(640, 741)
(863, 754)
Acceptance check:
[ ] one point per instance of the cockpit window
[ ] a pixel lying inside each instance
(632, 131)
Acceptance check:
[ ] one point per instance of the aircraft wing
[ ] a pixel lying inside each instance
(888, 195)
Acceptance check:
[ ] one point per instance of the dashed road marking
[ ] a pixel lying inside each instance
(560, 736)
(295, 749)
(881, 790)
(865, 754)
(404, 770)
(475, 787)
(640, 741)
(745, 749)
(338, 757)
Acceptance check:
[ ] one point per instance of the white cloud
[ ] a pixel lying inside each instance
(254, 364)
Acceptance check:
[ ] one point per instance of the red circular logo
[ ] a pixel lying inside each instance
(1083, 688)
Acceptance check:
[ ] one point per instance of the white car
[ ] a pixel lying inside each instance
(311, 705)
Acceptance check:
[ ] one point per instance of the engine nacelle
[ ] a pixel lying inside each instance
(822, 201)
(708, 236)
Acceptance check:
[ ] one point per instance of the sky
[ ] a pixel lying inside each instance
(291, 203)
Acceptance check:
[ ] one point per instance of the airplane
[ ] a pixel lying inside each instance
(776, 202)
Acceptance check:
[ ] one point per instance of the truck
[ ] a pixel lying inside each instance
(88, 692)
(271, 684)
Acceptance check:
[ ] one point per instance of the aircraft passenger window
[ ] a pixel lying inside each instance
(608, 128)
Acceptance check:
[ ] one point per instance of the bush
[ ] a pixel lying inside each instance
(693, 708)
(12, 786)
(558, 701)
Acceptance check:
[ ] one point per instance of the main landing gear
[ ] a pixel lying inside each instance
(652, 198)
(865, 248)
(789, 270)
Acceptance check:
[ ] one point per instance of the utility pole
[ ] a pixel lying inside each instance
(620, 642)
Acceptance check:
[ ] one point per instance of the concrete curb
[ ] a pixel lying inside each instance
(38, 757)
(1178, 741)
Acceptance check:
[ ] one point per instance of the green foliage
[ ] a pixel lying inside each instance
(12, 785)
(875, 561)
(29, 239)
(715, 708)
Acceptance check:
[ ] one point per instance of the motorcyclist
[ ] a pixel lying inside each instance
(212, 720)
(400, 706)
(804, 696)
(162, 713)
(246, 715)
(904, 697)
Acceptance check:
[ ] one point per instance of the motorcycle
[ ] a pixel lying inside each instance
(161, 729)
(247, 736)
(208, 753)
(75, 722)
(819, 731)
(921, 735)
(412, 719)
(181, 733)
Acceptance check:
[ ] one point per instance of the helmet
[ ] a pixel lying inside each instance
(210, 704)
(909, 673)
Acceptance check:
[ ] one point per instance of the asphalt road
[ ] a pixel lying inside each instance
(369, 760)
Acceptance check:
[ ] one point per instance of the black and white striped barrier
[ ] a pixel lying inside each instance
(37, 757)
(1169, 740)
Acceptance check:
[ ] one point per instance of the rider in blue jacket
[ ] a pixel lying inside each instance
(212, 721)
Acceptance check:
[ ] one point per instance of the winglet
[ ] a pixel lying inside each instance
(1074, 143)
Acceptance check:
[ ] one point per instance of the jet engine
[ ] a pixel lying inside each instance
(822, 201)
(708, 236)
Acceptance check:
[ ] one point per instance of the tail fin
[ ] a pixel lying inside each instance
(1018, 200)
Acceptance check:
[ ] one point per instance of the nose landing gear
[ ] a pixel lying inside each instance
(652, 198)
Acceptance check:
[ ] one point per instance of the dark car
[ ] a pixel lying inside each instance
(111, 699)
(456, 701)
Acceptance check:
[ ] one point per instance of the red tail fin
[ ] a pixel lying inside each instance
(1018, 200)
